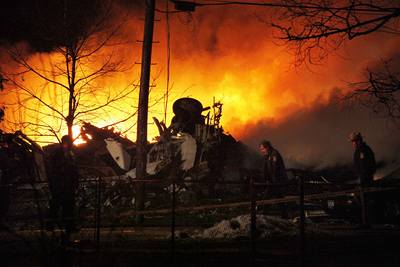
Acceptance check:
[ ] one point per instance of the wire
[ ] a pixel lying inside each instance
(168, 61)
(171, 12)
(371, 9)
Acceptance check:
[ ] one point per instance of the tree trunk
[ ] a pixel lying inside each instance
(69, 126)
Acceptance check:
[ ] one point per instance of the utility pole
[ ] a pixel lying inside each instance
(141, 140)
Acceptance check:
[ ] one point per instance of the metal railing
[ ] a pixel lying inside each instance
(96, 192)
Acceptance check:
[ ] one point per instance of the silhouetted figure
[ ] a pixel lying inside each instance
(63, 182)
(364, 168)
(274, 167)
(5, 166)
(274, 173)
(363, 159)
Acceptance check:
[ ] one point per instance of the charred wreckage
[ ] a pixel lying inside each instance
(196, 146)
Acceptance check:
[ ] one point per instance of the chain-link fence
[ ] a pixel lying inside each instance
(178, 213)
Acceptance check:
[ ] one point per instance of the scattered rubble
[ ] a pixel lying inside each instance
(239, 227)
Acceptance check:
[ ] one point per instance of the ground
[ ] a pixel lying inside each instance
(335, 245)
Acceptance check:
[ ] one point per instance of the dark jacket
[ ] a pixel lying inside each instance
(4, 182)
(64, 176)
(274, 168)
(4, 166)
(364, 164)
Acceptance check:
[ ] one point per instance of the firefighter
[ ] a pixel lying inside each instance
(63, 182)
(364, 168)
(5, 166)
(363, 159)
(274, 173)
(274, 167)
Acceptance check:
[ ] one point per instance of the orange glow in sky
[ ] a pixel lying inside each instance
(228, 55)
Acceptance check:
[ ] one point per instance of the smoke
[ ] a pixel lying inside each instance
(230, 53)
(317, 136)
(44, 25)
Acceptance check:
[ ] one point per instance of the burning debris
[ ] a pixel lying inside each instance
(22, 159)
(202, 155)
(194, 142)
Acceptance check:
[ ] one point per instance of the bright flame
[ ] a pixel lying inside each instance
(228, 55)
(76, 133)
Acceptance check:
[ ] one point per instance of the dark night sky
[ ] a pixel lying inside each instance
(39, 22)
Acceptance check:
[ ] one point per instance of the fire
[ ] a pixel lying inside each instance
(228, 55)
(76, 135)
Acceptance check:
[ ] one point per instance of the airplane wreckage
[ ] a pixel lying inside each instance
(194, 143)
(197, 141)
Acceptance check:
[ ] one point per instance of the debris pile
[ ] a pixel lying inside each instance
(239, 227)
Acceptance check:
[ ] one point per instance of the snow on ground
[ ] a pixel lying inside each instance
(240, 227)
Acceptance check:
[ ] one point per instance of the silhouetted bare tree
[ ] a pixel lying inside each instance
(315, 28)
(381, 91)
(80, 39)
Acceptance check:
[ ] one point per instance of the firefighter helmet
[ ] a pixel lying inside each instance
(355, 136)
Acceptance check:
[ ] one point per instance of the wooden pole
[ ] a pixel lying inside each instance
(141, 140)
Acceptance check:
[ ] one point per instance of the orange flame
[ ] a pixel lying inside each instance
(225, 53)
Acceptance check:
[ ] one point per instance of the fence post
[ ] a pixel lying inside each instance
(43, 244)
(173, 219)
(364, 218)
(302, 221)
(98, 211)
(253, 221)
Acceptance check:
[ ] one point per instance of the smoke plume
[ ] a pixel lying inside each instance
(318, 136)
